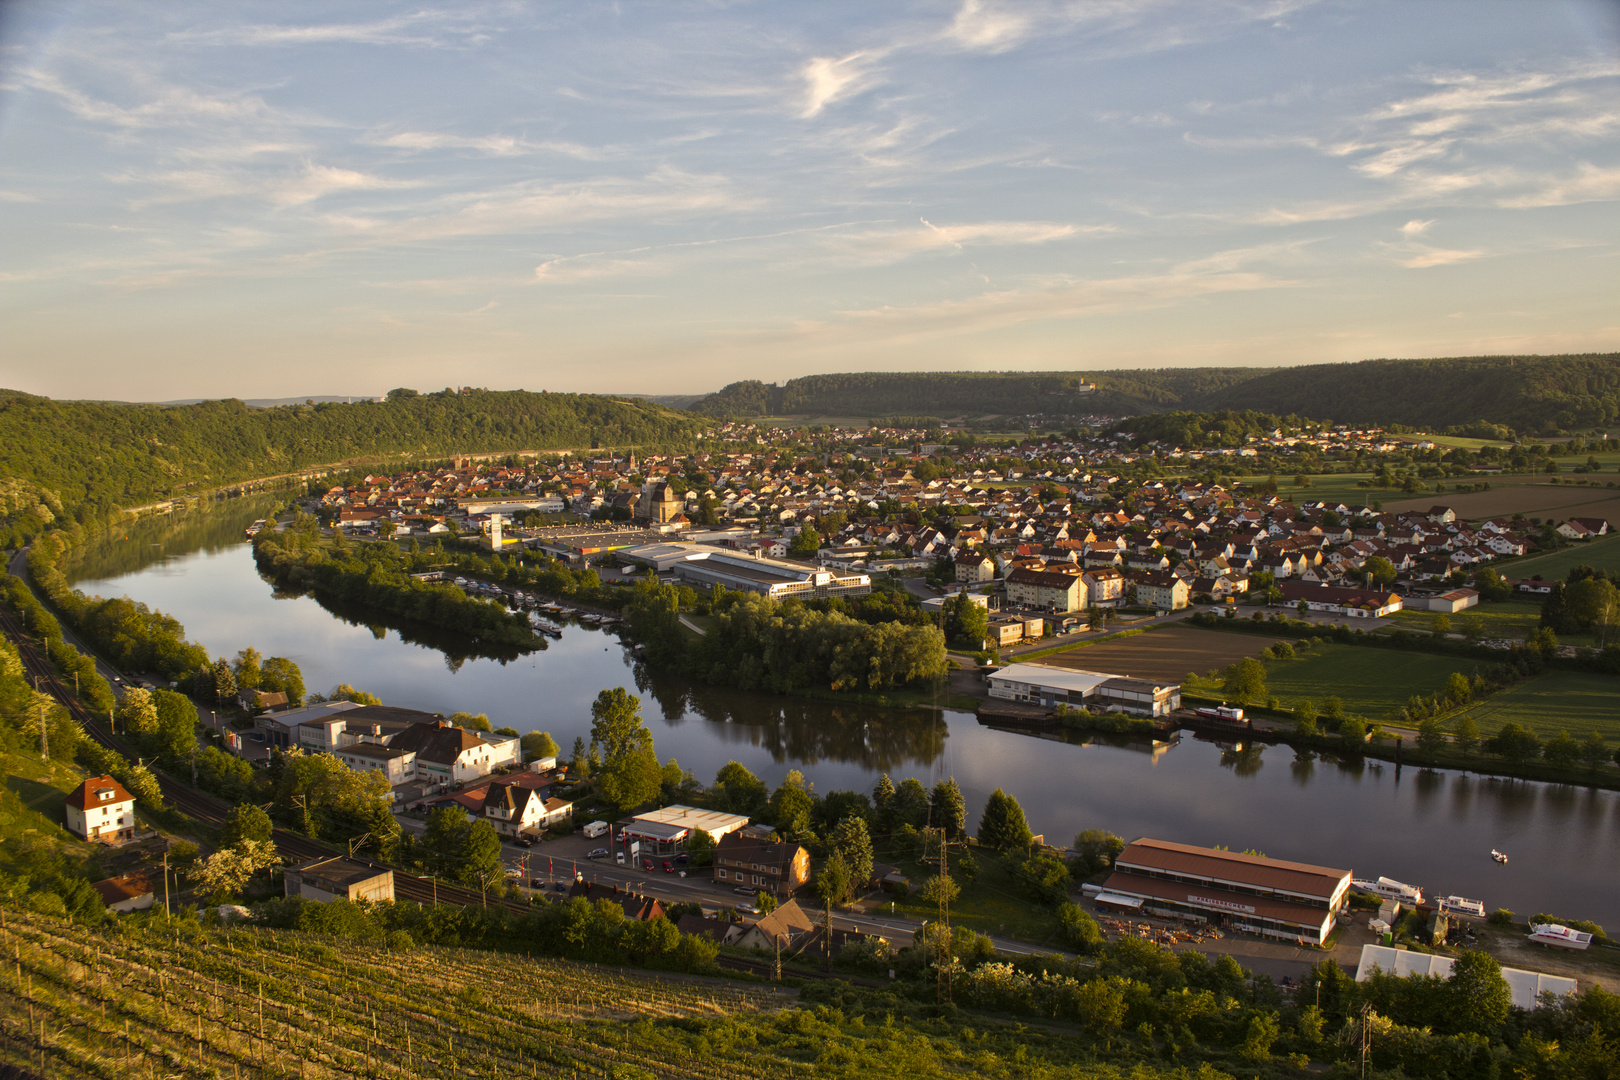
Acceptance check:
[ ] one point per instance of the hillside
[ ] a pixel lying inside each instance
(196, 1001)
(100, 454)
(1531, 394)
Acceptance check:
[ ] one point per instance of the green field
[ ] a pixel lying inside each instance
(1370, 682)
(1512, 619)
(1603, 553)
(1574, 701)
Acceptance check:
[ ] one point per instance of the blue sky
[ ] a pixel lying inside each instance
(262, 200)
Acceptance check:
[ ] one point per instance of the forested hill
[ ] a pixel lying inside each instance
(970, 393)
(98, 455)
(1530, 394)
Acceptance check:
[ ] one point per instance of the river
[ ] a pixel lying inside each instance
(1428, 828)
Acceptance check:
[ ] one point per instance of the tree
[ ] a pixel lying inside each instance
(280, 675)
(1303, 607)
(740, 791)
(909, 806)
(630, 774)
(1245, 680)
(1514, 743)
(834, 882)
(345, 692)
(1562, 750)
(700, 848)
(805, 544)
(1593, 750)
(481, 855)
(791, 805)
(227, 871)
(539, 744)
(245, 822)
(579, 763)
(1440, 624)
(1458, 690)
(966, 622)
(1353, 733)
(137, 714)
(1095, 850)
(175, 736)
(1379, 569)
(1080, 931)
(1002, 825)
(948, 809)
(224, 680)
(471, 721)
(1430, 739)
(246, 668)
(882, 792)
(1465, 734)
(937, 887)
(1478, 996)
(444, 840)
(853, 844)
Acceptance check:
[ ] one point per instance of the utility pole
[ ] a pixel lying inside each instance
(165, 880)
(942, 963)
(44, 744)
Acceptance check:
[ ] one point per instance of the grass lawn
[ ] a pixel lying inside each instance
(1370, 682)
(991, 904)
(1602, 553)
(1578, 702)
(1512, 619)
(31, 799)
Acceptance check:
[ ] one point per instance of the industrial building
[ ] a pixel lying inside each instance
(1526, 986)
(337, 878)
(1271, 897)
(704, 564)
(666, 831)
(1040, 684)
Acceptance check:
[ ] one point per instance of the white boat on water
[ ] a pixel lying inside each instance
(1460, 905)
(1389, 889)
(1562, 936)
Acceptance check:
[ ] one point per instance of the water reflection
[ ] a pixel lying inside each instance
(457, 649)
(133, 546)
(1243, 758)
(1303, 767)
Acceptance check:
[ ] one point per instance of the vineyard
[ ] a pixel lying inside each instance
(154, 1000)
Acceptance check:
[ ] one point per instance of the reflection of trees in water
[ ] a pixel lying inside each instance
(804, 730)
(1303, 767)
(1560, 801)
(1430, 783)
(1462, 797)
(457, 649)
(131, 547)
(1243, 759)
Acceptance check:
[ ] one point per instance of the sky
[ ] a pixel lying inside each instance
(267, 200)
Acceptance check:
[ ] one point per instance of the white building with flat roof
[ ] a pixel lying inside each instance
(1040, 684)
(1526, 986)
(705, 564)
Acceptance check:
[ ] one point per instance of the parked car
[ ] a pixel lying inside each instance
(561, 887)
(514, 872)
(597, 853)
(647, 864)
(748, 909)
(618, 857)
(669, 867)
(744, 890)
(522, 841)
(682, 859)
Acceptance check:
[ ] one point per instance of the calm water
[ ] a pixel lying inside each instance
(1427, 828)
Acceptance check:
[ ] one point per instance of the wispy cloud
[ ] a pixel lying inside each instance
(1591, 183)
(828, 80)
(494, 145)
(425, 27)
(983, 26)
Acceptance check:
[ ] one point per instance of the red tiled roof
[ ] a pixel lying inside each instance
(88, 794)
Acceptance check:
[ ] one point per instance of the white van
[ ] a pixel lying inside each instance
(595, 829)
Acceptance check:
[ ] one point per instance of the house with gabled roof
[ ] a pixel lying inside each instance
(100, 809)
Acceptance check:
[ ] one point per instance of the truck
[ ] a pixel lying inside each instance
(595, 828)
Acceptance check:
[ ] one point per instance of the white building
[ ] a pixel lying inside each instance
(100, 809)
(1039, 684)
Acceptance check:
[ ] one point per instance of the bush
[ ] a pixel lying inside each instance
(1500, 917)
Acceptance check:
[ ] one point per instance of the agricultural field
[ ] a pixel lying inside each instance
(1507, 497)
(1370, 682)
(1166, 653)
(178, 999)
(1578, 702)
(1603, 553)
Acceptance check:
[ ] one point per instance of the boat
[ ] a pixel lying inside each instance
(1498, 856)
(1562, 936)
(1389, 889)
(1460, 905)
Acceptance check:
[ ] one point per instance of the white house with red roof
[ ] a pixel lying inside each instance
(100, 809)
